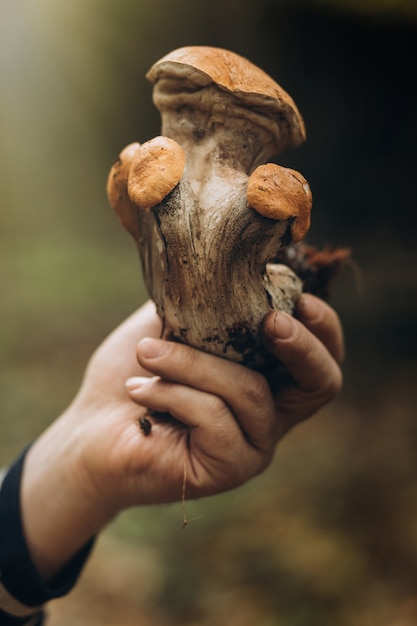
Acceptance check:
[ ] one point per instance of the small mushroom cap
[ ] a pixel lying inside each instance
(117, 189)
(155, 171)
(200, 66)
(280, 193)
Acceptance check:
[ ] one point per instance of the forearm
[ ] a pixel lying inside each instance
(58, 517)
(23, 591)
(61, 507)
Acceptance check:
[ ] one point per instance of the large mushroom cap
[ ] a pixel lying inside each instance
(201, 66)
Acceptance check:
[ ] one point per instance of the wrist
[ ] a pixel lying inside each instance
(23, 590)
(59, 513)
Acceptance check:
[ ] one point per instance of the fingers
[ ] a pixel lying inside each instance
(244, 393)
(214, 431)
(183, 403)
(314, 370)
(303, 354)
(323, 322)
(218, 452)
(197, 387)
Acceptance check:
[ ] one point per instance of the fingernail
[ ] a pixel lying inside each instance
(135, 382)
(284, 325)
(152, 348)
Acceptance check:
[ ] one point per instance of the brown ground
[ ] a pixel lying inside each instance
(328, 536)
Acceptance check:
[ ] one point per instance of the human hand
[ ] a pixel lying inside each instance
(228, 419)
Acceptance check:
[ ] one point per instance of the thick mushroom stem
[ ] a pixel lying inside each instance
(206, 277)
(204, 254)
(207, 216)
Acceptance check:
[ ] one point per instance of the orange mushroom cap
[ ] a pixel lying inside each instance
(201, 66)
(280, 193)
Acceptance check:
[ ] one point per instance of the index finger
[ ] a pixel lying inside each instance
(245, 392)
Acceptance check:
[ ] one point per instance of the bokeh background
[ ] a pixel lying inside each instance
(328, 536)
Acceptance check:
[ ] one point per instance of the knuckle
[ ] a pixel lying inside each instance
(217, 407)
(254, 388)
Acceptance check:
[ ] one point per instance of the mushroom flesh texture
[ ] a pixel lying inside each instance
(207, 211)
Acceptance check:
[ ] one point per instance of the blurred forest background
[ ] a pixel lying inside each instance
(328, 536)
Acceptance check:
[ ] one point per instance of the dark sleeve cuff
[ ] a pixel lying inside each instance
(37, 619)
(17, 572)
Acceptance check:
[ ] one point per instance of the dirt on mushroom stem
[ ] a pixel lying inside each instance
(316, 268)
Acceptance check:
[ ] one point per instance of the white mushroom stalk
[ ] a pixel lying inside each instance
(206, 212)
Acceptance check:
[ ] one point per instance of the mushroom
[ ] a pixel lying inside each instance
(206, 210)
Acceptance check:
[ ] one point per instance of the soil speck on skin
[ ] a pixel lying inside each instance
(145, 425)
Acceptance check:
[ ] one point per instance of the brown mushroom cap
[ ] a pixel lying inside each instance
(117, 189)
(155, 171)
(280, 193)
(201, 66)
